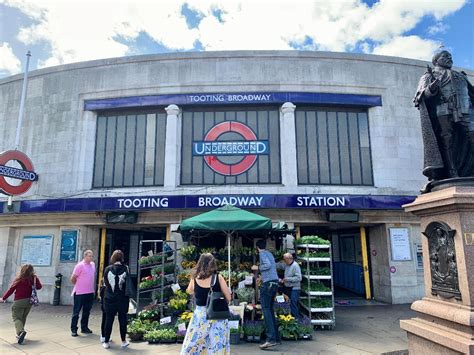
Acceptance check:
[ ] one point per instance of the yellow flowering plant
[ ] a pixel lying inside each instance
(288, 326)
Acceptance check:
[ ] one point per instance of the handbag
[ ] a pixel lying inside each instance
(34, 296)
(216, 305)
(129, 287)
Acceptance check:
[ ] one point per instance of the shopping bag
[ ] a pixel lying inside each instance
(34, 296)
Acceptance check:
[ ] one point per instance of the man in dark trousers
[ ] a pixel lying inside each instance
(268, 291)
(83, 277)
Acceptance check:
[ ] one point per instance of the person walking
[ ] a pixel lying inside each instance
(23, 288)
(116, 277)
(205, 336)
(268, 291)
(292, 281)
(83, 277)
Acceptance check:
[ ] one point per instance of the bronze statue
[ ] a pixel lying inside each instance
(445, 99)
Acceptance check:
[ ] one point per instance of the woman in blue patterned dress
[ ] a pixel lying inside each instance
(204, 336)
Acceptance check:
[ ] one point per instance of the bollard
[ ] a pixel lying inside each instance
(57, 289)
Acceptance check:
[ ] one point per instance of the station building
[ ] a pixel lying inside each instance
(125, 148)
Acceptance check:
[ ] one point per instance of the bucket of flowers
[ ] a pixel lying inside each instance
(305, 328)
(288, 327)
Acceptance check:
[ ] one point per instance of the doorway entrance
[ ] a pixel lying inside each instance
(350, 281)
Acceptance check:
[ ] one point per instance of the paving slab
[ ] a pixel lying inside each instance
(361, 329)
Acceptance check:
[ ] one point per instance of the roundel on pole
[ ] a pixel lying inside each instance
(26, 174)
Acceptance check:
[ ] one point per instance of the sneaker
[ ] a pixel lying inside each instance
(267, 345)
(105, 345)
(102, 339)
(86, 331)
(21, 337)
(124, 344)
(74, 333)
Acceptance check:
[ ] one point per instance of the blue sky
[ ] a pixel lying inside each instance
(60, 32)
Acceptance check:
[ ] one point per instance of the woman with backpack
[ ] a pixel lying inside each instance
(206, 336)
(116, 277)
(23, 286)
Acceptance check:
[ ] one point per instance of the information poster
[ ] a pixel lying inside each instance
(68, 246)
(37, 250)
(400, 244)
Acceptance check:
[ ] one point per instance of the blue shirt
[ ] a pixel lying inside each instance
(267, 266)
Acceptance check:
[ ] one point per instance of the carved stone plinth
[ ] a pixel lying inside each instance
(445, 321)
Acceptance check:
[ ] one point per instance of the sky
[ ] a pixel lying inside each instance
(67, 31)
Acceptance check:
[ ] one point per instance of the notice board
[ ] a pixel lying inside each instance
(400, 244)
(37, 250)
(68, 246)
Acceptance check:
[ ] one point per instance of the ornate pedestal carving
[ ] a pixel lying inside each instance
(445, 321)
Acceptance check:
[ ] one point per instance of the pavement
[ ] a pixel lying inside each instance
(364, 329)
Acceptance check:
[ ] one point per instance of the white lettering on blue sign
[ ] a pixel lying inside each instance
(320, 201)
(243, 201)
(230, 98)
(230, 148)
(145, 202)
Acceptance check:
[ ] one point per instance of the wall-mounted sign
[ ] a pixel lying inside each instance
(37, 250)
(215, 150)
(400, 244)
(355, 202)
(25, 174)
(68, 246)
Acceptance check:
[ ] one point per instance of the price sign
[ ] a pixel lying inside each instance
(175, 288)
(165, 320)
(234, 324)
(280, 299)
(182, 327)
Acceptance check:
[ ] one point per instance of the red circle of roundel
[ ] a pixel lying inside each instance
(25, 163)
(230, 169)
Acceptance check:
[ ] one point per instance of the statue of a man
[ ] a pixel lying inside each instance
(445, 99)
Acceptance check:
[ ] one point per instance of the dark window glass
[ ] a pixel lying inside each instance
(333, 147)
(207, 170)
(130, 150)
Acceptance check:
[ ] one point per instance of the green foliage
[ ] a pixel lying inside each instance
(315, 286)
(189, 253)
(245, 294)
(312, 239)
(160, 334)
(317, 302)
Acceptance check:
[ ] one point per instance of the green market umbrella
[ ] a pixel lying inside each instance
(228, 219)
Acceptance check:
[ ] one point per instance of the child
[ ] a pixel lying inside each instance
(22, 286)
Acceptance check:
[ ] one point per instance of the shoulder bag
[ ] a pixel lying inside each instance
(216, 305)
(34, 296)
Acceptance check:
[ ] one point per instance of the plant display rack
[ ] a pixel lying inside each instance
(323, 317)
(162, 258)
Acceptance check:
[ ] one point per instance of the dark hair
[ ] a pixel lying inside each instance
(26, 272)
(261, 244)
(117, 255)
(437, 55)
(205, 267)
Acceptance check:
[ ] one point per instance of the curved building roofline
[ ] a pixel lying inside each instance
(223, 55)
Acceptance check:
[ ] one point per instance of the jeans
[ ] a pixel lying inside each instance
(83, 302)
(295, 296)
(268, 292)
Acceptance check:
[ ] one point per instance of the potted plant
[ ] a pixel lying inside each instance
(136, 329)
(183, 278)
(305, 328)
(253, 330)
(152, 336)
(189, 253)
(179, 302)
(186, 317)
(235, 335)
(149, 313)
(245, 294)
(288, 327)
(168, 336)
(180, 334)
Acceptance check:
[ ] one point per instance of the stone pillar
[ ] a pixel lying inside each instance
(445, 320)
(173, 146)
(289, 175)
(6, 246)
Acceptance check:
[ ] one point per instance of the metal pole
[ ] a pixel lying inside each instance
(228, 257)
(22, 101)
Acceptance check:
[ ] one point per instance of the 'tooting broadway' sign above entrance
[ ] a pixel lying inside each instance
(211, 201)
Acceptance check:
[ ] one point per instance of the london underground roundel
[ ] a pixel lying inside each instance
(25, 174)
(214, 150)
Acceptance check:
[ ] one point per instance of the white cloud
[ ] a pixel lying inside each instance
(92, 29)
(9, 63)
(408, 47)
(438, 28)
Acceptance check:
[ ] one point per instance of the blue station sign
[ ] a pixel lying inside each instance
(251, 201)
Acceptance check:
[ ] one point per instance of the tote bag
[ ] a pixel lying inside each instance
(216, 305)
(34, 296)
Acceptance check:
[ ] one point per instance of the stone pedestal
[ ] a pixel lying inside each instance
(445, 321)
